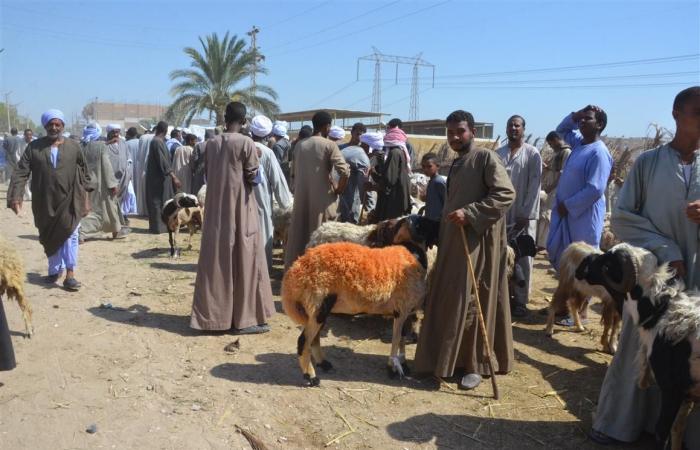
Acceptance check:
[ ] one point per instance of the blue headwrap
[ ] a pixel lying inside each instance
(91, 132)
(51, 114)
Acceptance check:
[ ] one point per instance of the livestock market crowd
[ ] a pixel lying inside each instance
(363, 232)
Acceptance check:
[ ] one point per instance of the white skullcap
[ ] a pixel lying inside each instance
(280, 129)
(375, 140)
(113, 126)
(336, 132)
(261, 126)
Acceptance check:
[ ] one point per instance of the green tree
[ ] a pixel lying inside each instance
(214, 80)
(16, 120)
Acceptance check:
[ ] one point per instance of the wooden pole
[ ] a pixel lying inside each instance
(480, 315)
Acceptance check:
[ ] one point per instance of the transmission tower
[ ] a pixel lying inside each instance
(377, 88)
(416, 62)
(258, 58)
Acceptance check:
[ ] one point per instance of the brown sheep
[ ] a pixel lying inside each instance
(12, 282)
(349, 278)
(573, 293)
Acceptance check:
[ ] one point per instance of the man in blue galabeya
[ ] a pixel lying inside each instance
(578, 212)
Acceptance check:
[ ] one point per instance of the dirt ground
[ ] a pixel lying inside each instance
(147, 381)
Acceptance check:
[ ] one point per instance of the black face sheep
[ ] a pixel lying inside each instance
(668, 320)
(183, 209)
(12, 282)
(573, 292)
(349, 278)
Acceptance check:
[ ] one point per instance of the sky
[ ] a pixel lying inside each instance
(538, 59)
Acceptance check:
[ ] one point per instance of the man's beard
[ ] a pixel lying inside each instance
(464, 148)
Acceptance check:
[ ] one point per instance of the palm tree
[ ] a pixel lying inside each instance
(211, 82)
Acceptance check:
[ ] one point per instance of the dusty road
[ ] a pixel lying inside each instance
(147, 381)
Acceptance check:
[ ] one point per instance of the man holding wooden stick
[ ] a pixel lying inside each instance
(479, 192)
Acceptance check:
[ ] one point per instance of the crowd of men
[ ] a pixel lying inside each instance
(492, 196)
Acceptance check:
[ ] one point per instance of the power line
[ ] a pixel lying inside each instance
(603, 86)
(634, 62)
(611, 77)
(561, 80)
(333, 27)
(323, 100)
(90, 39)
(299, 14)
(363, 30)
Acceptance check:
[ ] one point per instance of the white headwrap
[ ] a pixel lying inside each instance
(113, 126)
(336, 132)
(280, 129)
(51, 114)
(375, 140)
(261, 126)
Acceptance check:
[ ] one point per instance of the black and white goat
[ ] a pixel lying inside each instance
(668, 319)
(183, 209)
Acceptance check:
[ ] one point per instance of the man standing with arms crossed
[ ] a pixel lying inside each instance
(524, 166)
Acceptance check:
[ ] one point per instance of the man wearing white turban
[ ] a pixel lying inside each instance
(281, 146)
(336, 134)
(272, 185)
(58, 170)
(104, 217)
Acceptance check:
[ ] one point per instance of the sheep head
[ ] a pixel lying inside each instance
(625, 271)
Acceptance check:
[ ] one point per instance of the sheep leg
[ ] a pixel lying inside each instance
(395, 364)
(573, 309)
(175, 239)
(644, 380)
(549, 327)
(190, 228)
(304, 349)
(172, 244)
(607, 330)
(679, 425)
(26, 313)
(321, 317)
(558, 298)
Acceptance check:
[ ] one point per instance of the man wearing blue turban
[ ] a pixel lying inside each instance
(59, 173)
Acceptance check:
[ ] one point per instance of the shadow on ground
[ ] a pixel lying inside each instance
(151, 253)
(283, 369)
(464, 431)
(183, 267)
(141, 316)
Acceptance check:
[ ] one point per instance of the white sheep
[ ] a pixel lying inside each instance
(573, 293)
(12, 282)
(183, 209)
(668, 319)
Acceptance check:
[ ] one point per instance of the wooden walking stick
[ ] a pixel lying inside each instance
(480, 315)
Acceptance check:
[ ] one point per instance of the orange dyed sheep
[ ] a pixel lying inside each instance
(348, 278)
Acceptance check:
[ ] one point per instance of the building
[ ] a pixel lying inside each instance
(124, 114)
